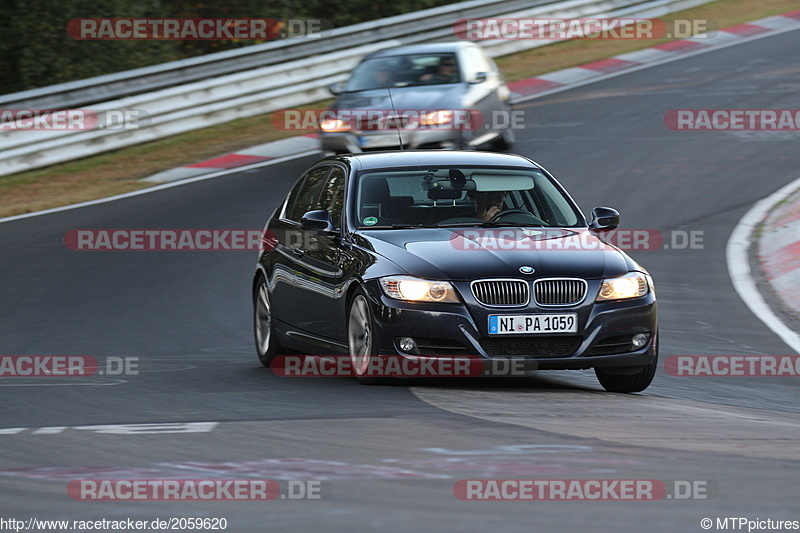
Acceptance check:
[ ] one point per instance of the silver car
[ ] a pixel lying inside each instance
(440, 95)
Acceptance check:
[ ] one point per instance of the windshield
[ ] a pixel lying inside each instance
(460, 197)
(403, 71)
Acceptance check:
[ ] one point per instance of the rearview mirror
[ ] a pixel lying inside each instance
(319, 220)
(336, 88)
(604, 219)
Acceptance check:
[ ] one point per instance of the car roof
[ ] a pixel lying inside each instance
(426, 48)
(396, 158)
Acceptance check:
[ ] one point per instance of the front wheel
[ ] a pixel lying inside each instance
(634, 379)
(504, 142)
(361, 337)
(267, 346)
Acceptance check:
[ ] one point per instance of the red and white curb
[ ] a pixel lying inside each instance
(558, 80)
(779, 250)
(255, 154)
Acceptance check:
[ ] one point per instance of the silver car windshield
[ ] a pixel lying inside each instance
(465, 196)
(403, 71)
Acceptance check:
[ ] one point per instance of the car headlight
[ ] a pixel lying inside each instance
(334, 124)
(631, 285)
(435, 118)
(418, 290)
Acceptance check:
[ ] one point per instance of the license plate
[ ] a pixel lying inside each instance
(511, 324)
(378, 141)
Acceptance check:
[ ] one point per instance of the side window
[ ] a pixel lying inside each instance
(307, 194)
(332, 197)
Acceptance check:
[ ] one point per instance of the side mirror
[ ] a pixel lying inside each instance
(336, 88)
(604, 219)
(319, 220)
(480, 77)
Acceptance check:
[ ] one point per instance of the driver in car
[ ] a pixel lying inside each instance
(488, 204)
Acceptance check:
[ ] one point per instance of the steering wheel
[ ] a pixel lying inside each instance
(505, 212)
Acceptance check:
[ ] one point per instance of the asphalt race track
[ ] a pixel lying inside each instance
(388, 457)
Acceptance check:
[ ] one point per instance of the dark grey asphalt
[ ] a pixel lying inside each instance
(186, 315)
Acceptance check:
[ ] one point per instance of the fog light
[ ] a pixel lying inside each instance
(640, 339)
(407, 344)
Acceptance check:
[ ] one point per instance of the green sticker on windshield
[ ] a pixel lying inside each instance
(370, 221)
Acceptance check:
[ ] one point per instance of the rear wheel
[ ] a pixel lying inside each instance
(632, 379)
(267, 346)
(361, 337)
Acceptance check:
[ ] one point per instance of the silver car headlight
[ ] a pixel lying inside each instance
(418, 290)
(436, 118)
(631, 285)
(333, 125)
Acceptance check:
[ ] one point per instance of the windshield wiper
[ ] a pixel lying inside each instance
(498, 224)
(399, 226)
(488, 224)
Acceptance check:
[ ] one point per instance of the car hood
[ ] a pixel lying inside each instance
(467, 254)
(423, 97)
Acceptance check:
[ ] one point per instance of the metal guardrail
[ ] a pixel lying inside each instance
(129, 83)
(215, 97)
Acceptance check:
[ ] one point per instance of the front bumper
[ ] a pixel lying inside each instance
(461, 330)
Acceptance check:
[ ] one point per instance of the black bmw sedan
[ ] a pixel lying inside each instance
(433, 254)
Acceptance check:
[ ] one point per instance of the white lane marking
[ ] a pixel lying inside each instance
(513, 449)
(122, 429)
(152, 429)
(737, 255)
(73, 382)
(50, 431)
(161, 187)
(676, 57)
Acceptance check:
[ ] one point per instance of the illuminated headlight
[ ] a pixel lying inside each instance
(418, 290)
(437, 117)
(631, 285)
(334, 124)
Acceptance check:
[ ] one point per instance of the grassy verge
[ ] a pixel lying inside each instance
(120, 171)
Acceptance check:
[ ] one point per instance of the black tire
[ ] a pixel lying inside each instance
(267, 346)
(633, 379)
(504, 141)
(361, 337)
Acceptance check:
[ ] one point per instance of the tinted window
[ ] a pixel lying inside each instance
(420, 196)
(306, 195)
